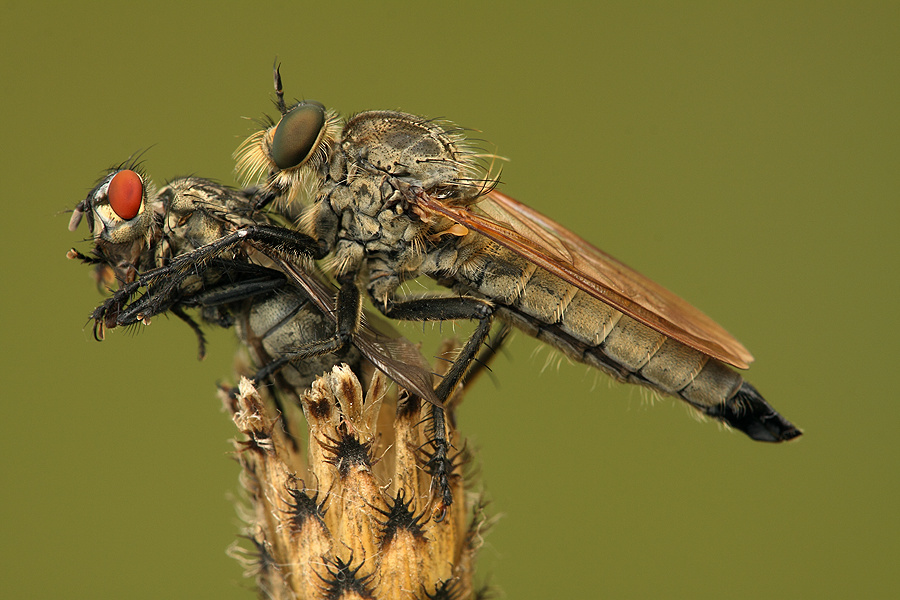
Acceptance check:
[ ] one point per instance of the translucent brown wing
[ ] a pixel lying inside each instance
(551, 246)
(394, 355)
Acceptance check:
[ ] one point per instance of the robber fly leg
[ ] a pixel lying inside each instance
(481, 364)
(448, 309)
(270, 240)
(439, 463)
(242, 281)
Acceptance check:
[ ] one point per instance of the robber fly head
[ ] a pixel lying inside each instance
(117, 208)
(295, 154)
(292, 152)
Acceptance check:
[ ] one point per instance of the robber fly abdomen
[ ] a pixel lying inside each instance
(592, 332)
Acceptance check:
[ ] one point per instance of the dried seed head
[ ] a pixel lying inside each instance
(352, 517)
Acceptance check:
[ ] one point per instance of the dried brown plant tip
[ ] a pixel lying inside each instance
(353, 517)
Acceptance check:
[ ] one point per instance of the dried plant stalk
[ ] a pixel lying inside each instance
(353, 517)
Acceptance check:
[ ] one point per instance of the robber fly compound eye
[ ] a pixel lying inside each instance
(126, 192)
(298, 134)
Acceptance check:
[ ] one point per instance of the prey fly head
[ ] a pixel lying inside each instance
(117, 209)
(121, 215)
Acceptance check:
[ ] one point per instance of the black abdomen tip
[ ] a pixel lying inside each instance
(749, 412)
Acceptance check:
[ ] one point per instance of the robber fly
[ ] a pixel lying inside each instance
(388, 196)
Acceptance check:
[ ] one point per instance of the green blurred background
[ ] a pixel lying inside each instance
(744, 156)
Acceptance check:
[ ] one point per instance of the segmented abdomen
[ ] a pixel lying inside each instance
(592, 332)
(283, 322)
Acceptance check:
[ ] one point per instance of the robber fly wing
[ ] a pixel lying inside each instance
(551, 246)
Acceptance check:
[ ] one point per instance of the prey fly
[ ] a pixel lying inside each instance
(138, 229)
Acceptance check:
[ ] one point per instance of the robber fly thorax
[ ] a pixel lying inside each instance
(392, 196)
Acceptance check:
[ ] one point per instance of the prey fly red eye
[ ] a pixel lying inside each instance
(126, 191)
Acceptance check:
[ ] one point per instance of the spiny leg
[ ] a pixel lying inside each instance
(166, 282)
(439, 463)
